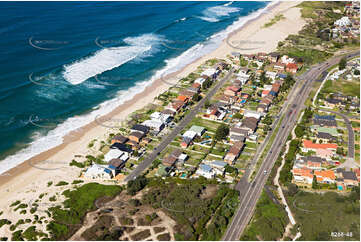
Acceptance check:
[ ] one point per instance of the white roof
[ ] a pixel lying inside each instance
(160, 116)
(156, 124)
(183, 157)
(96, 171)
(190, 134)
(113, 154)
(250, 113)
(200, 80)
(209, 72)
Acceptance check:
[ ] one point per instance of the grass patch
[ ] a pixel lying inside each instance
(277, 18)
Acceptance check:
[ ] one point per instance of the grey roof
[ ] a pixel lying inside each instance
(349, 175)
(313, 159)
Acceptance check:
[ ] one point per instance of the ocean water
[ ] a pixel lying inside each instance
(64, 63)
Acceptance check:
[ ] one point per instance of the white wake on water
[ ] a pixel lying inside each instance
(109, 58)
(214, 14)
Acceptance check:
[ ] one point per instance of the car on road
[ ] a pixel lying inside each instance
(265, 171)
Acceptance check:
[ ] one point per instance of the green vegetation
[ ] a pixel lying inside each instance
(4, 221)
(331, 212)
(277, 18)
(133, 186)
(77, 181)
(201, 209)
(268, 222)
(342, 64)
(221, 132)
(61, 183)
(78, 203)
(285, 174)
(15, 203)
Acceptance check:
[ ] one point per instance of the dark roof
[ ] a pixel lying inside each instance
(324, 122)
(141, 128)
(239, 131)
(326, 117)
(176, 153)
(121, 147)
(250, 123)
(315, 159)
(168, 111)
(238, 138)
(322, 135)
(349, 175)
(274, 54)
(137, 134)
(334, 101)
(169, 160)
(117, 163)
(120, 139)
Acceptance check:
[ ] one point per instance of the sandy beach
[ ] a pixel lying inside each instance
(27, 181)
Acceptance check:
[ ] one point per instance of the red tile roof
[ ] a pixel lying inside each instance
(310, 145)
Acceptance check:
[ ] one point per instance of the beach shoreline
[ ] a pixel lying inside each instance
(20, 178)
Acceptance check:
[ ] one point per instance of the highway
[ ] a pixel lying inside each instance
(189, 117)
(250, 192)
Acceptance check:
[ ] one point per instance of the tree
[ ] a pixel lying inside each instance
(292, 189)
(136, 185)
(314, 182)
(222, 132)
(299, 131)
(207, 104)
(356, 72)
(342, 64)
(195, 97)
(237, 116)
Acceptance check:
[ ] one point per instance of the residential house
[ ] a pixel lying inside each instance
(136, 136)
(309, 145)
(302, 175)
(187, 93)
(218, 166)
(325, 123)
(325, 176)
(234, 152)
(116, 154)
(252, 114)
(232, 90)
(236, 131)
(176, 106)
(286, 60)
(98, 172)
(184, 99)
(250, 123)
(206, 171)
(116, 165)
(332, 103)
(199, 130)
(200, 80)
(292, 68)
(313, 162)
(262, 108)
(278, 66)
(326, 154)
(273, 57)
(140, 128)
(119, 139)
(164, 118)
(326, 137)
(154, 125)
(122, 147)
(168, 111)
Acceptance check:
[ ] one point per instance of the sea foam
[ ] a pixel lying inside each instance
(109, 58)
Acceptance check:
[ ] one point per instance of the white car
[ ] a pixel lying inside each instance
(265, 171)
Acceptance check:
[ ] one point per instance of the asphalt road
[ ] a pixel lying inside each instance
(249, 193)
(351, 135)
(189, 117)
